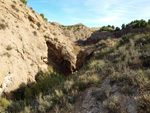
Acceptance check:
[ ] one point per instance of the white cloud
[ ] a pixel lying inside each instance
(118, 10)
(101, 12)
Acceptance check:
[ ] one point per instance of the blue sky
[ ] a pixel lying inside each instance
(92, 13)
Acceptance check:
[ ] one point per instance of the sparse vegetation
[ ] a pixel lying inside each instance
(145, 103)
(108, 28)
(113, 26)
(68, 27)
(105, 29)
(3, 104)
(45, 95)
(42, 15)
(138, 24)
(72, 27)
(24, 1)
(125, 66)
(112, 104)
(123, 26)
(117, 29)
(149, 21)
(126, 63)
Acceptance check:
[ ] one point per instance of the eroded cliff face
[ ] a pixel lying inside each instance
(62, 56)
(27, 43)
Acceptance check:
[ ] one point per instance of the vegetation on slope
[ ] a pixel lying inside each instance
(75, 28)
(24, 1)
(52, 91)
(127, 63)
(108, 28)
(137, 24)
(42, 15)
(134, 24)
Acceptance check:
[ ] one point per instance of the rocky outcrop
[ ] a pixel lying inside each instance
(27, 43)
(84, 56)
(77, 32)
(106, 99)
(96, 37)
(88, 52)
(62, 55)
(129, 29)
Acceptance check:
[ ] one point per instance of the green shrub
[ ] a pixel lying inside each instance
(16, 107)
(94, 79)
(112, 104)
(4, 103)
(149, 21)
(45, 83)
(138, 23)
(24, 1)
(113, 26)
(117, 29)
(69, 27)
(19, 93)
(42, 15)
(104, 28)
(123, 26)
(145, 103)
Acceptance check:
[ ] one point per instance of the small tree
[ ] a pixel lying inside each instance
(143, 24)
(123, 26)
(45, 19)
(133, 25)
(103, 29)
(42, 15)
(117, 29)
(149, 21)
(24, 1)
(113, 26)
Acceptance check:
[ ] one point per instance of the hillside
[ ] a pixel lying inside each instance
(46, 67)
(76, 32)
(123, 72)
(115, 80)
(27, 43)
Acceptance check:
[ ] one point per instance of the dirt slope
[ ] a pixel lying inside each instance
(25, 45)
